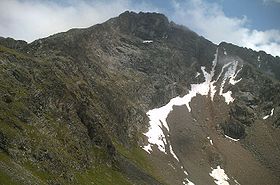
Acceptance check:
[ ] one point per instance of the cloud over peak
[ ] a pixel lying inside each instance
(33, 19)
(209, 20)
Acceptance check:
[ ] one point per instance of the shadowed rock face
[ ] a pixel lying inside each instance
(73, 107)
(233, 129)
(13, 44)
(144, 25)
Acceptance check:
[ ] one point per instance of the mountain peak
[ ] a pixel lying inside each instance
(144, 25)
(12, 43)
(132, 96)
(145, 15)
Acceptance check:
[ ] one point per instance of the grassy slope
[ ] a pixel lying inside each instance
(15, 130)
(29, 174)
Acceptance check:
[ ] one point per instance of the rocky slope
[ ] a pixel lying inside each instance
(137, 100)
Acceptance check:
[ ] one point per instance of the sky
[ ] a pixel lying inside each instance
(248, 23)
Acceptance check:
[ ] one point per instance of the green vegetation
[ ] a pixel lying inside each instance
(102, 175)
(136, 154)
(6, 180)
(13, 52)
(12, 173)
(138, 157)
(37, 172)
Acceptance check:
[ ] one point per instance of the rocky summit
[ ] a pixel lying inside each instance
(137, 100)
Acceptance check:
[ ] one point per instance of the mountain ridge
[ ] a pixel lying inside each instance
(74, 105)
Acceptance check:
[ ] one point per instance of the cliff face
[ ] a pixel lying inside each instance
(73, 107)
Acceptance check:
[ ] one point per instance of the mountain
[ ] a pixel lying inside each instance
(137, 100)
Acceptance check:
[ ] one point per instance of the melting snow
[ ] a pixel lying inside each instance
(210, 140)
(158, 125)
(225, 52)
(158, 116)
(187, 182)
(147, 41)
(220, 178)
(236, 182)
(266, 117)
(259, 59)
(271, 114)
(173, 154)
(230, 75)
(231, 138)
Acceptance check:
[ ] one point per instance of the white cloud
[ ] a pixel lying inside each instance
(275, 1)
(209, 20)
(33, 19)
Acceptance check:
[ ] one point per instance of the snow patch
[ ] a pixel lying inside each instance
(219, 176)
(230, 76)
(212, 73)
(147, 41)
(228, 97)
(210, 140)
(231, 138)
(172, 153)
(259, 61)
(158, 116)
(158, 132)
(271, 114)
(147, 148)
(225, 52)
(265, 117)
(236, 182)
(187, 182)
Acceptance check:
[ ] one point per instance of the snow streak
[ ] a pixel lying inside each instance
(158, 116)
(271, 114)
(220, 178)
(158, 133)
(147, 41)
(231, 138)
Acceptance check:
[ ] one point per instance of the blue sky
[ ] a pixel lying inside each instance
(261, 14)
(250, 23)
